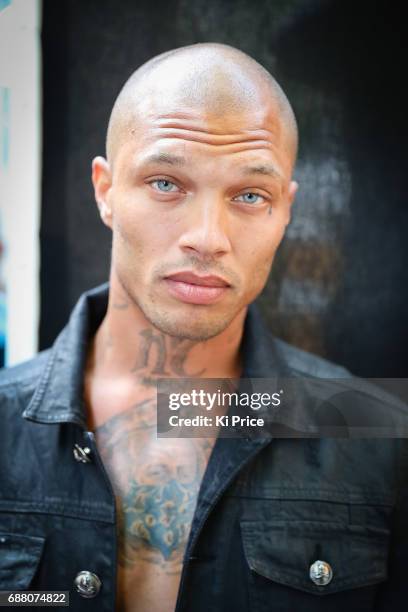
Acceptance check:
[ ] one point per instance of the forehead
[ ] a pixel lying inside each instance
(181, 133)
(216, 111)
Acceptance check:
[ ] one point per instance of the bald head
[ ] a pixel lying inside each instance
(215, 78)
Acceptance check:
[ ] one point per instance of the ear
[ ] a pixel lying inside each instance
(293, 187)
(102, 182)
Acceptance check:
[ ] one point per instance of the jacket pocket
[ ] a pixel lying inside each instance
(19, 559)
(282, 552)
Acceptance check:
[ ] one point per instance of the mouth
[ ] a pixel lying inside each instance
(194, 289)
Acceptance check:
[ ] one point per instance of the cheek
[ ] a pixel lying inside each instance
(257, 258)
(137, 231)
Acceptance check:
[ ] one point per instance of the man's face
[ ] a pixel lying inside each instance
(195, 192)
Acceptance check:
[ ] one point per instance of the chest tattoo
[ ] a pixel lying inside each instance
(156, 483)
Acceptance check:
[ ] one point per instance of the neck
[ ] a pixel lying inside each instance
(128, 347)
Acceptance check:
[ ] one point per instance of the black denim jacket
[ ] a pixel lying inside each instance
(266, 511)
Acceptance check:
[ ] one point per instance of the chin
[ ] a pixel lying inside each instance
(191, 327)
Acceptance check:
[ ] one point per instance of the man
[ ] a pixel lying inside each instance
(197, 189)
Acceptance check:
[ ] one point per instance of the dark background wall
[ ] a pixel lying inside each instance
(339, 284)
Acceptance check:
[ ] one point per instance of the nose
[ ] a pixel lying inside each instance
(205, 232)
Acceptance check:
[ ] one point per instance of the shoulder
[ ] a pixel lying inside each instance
(19, 381)
(364, 408)
(302, 363)
(266, 354)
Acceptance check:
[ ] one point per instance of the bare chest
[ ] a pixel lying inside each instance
(156, 483)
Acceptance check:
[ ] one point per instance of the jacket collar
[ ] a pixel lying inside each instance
(58, 395)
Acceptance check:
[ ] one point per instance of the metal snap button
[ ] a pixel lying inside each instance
(83, 455)
(87, 584)
(320, 573)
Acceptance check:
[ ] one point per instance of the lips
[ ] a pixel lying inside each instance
(194, 279)
(194, 289)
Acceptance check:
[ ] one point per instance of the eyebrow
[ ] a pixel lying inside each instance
(263, 169)
(166, 158)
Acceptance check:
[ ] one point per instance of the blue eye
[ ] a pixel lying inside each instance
(164, 185)
(250, 198)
